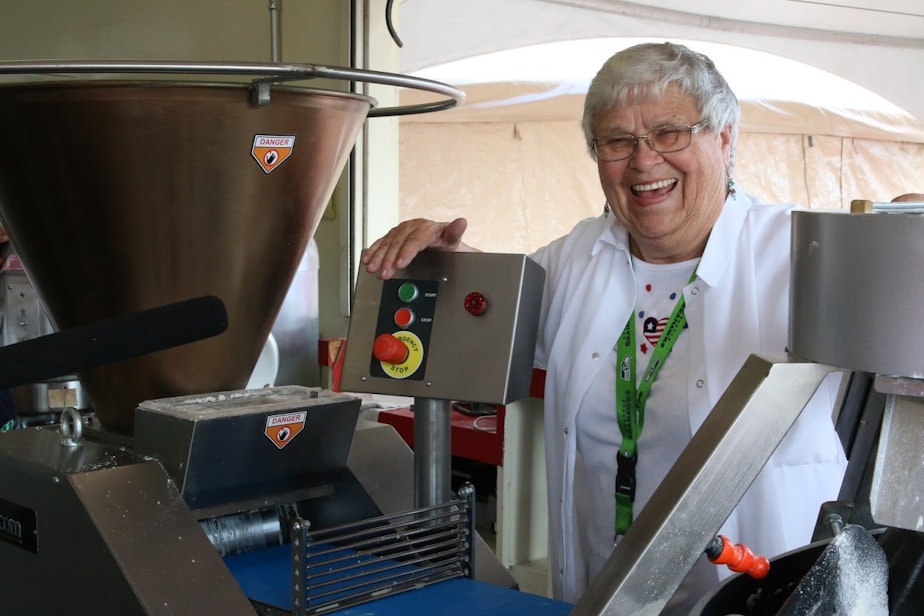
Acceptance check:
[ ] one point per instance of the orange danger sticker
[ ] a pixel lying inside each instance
(281, 429)
(271, 150)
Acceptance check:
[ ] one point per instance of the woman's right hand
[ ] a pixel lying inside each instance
(400, 245)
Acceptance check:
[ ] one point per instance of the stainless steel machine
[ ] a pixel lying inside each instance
(161, 222)
(142, 529)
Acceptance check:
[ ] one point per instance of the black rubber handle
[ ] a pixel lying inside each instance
(111, 340)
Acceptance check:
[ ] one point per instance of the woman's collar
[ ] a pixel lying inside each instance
(724, 234)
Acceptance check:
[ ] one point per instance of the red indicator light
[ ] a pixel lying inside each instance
(476, 303)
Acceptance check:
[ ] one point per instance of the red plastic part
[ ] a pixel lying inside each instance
(389, 349)
(330, 355)
(740, 558)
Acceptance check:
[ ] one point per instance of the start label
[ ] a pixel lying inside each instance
(284, 427)
(270, 150)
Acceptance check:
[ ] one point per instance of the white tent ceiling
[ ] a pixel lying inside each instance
(876, 44)
(832, 102)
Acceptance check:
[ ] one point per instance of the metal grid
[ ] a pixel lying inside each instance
(346, 565)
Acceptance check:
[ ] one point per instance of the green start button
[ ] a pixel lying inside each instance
(408, 292)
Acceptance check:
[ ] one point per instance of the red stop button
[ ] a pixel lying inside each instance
(404, 317)
(389, 349)
(476, 303)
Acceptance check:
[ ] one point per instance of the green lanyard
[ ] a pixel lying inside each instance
(630, 404)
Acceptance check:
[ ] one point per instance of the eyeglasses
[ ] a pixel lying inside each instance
(664, 140)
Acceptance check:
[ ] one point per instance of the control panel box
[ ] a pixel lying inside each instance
(451, 326)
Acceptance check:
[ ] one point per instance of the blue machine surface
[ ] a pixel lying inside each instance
(265, 576)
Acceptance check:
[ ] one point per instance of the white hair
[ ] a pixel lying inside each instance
(646, 70)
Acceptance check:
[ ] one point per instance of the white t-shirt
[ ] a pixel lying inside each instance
(666, 429)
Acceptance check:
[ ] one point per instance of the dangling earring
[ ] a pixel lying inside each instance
(731, 188)
(606, 209)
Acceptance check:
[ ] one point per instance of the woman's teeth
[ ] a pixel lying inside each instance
(653, 186)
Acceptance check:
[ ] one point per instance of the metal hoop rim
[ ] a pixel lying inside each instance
(266, 75)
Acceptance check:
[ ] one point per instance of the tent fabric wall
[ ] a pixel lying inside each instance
(519, 184)
(877, 45)
(825, 171)
(523, 179)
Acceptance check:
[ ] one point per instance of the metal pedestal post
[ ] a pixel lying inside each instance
(432, 452)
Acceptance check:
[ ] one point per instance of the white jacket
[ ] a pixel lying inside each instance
(738, 305)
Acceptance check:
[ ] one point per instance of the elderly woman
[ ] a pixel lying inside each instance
(679, 251)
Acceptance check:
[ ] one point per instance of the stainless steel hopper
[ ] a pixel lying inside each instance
(121, 196)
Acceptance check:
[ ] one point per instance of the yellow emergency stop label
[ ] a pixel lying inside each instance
(284, 427)
(415, 354)
(271, 150)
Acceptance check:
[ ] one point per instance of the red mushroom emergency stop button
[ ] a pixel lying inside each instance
(389, 349)
(476, 303)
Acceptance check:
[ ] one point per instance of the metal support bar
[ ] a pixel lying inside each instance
(275, 11)
(897, 485)
(432, 451)
(703, 487)
(863, 206)
(467, 540)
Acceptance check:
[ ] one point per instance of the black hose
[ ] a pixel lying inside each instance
(391, 26)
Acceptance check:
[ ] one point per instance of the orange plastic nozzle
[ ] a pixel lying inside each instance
(738, 558)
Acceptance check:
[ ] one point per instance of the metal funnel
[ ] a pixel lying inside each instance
(124, 196)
